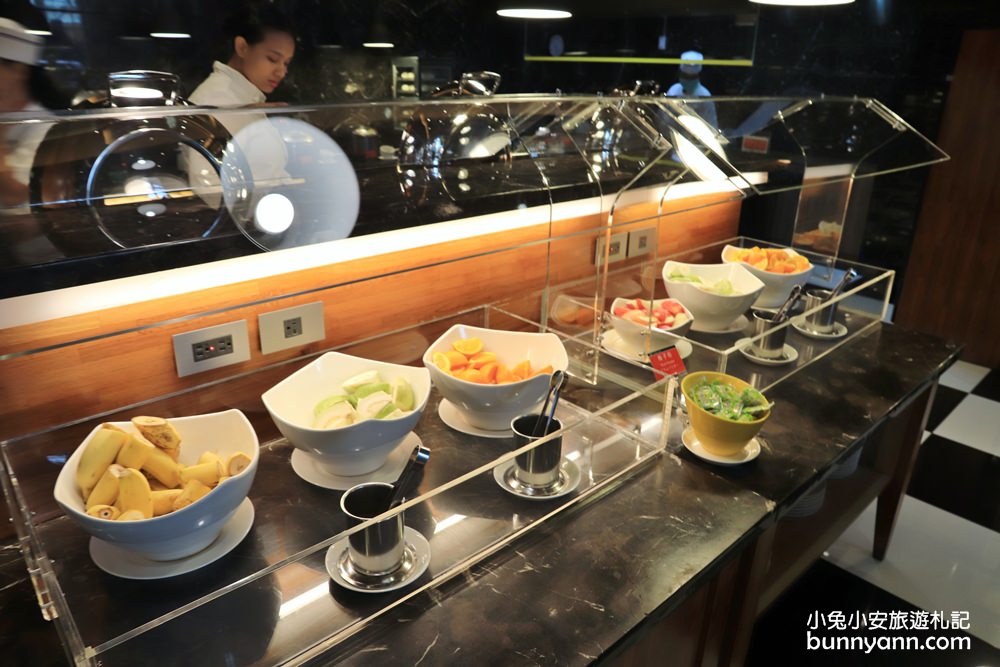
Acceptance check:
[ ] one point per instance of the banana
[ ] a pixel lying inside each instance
(158, 431)
(163, 501)
(236, 463)
(208, 456)
(163, 468)
(134, 452)
(104, 512)
(131, 515)
(99, 453)
(223, 479)
(194, 490)
(206, 473)
(105, 492)
(134, 493)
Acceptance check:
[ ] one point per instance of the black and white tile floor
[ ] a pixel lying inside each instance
(945, 551)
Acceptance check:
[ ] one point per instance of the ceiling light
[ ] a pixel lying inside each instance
(170, 35)
(378, 45)
(533, 13)
(802, 3)
(40, 33)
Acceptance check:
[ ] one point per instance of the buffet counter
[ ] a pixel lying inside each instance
(679, 556)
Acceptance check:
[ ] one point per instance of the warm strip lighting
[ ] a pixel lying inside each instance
(170, 35)
(802, 3)
(528, 13)
(378, 45)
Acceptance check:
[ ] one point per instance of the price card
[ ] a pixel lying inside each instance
(666, 362)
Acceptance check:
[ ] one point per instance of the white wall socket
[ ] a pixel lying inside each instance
(641, 241)
(291, 327)
(211, 347)
(619, 246)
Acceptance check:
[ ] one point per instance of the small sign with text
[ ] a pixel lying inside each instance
(666, 362)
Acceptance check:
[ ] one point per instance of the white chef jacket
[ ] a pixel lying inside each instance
(259, 141)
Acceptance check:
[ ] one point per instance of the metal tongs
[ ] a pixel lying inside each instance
(556, 383)
(786, 307)
(848, 278)
(418, 457)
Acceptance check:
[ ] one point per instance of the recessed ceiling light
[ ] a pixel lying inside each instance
(530, 13)
(378, 45)
(802, 3)
(170, 35)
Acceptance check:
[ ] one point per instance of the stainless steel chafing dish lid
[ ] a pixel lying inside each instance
(143, 88)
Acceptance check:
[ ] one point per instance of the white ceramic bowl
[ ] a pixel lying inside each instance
(350, 450)
(634, 334)
(777, 286)
(491, 407)
(191, 529)
(713, 312)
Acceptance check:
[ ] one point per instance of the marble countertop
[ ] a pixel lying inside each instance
(571, 588)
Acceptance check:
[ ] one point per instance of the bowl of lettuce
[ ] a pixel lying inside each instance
(725, 412)
(716, 294)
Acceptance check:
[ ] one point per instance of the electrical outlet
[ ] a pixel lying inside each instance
(211, 347)
(641, 241)
(617, 250)
(291, 327)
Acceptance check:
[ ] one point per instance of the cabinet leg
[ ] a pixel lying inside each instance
(912, 420)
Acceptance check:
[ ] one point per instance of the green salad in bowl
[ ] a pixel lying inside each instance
(726, 401)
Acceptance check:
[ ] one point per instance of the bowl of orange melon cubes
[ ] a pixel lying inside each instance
(780, 269)
(490, 375)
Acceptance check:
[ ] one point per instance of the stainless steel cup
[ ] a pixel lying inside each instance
(538, 467)
(378, 549)
(821, 321)
(772, 345)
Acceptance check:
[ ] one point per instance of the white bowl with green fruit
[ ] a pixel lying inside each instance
(348, 413)
(716, 294)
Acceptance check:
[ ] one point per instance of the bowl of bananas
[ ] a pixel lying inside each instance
(163, 488)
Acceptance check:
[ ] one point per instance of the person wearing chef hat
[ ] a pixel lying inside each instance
(25, 90)
(690, 85)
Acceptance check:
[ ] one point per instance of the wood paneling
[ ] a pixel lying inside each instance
(951, 279)
(120, 366)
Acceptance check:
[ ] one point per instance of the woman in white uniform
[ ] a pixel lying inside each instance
(262, 48)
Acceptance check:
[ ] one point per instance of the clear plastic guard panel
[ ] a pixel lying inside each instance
(272, 590)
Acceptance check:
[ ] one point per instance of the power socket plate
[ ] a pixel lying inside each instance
(278, 328)
(191, 349)
(641, 241)
(619, 247)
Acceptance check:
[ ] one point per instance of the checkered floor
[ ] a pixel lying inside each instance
(945, 552)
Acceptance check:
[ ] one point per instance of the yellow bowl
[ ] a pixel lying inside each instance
(719, 436)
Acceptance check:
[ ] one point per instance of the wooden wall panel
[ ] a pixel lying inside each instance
(121, 366)
(950, 286)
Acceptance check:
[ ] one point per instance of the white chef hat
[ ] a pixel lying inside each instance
(691, 68)
(17, 44)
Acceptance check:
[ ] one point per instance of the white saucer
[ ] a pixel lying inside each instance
(417, 544)
(739, 324)
(788, 355)
(569, 471)
(612, 341)
(750, 452)
(130, 565)
(450, 415)
(306, 467)
(839, 330)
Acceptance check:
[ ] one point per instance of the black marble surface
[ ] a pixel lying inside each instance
(571, 588)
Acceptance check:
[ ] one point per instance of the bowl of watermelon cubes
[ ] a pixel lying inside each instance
(662, 321)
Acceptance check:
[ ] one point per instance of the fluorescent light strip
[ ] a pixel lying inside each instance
(40, 33)
(170, 35)
(31, 308)
(529, 13)
(378, 45)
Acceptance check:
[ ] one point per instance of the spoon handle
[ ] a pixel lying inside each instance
(418, 458)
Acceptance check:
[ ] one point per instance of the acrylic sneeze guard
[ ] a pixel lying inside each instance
(577, 168)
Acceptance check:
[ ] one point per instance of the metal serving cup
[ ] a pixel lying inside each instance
(771, 345)
(378, 549)
(822, 321)
(538, 468)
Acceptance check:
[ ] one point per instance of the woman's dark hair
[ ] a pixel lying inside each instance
(253, 25)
